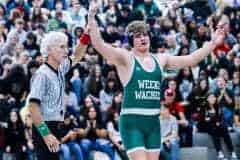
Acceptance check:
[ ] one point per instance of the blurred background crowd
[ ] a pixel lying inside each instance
(203, 98)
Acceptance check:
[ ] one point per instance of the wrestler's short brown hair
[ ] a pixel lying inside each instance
(137, 26)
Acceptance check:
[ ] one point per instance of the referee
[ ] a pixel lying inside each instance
(46, 97)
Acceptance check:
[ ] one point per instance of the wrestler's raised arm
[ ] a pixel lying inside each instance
(117, 56)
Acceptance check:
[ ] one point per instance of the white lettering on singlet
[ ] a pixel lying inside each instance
(148, 90)
(148, 84)
(147, 95)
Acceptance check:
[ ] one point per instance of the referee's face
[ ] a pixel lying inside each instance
(60, 51)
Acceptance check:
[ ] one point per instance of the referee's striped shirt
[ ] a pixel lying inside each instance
(47, 89)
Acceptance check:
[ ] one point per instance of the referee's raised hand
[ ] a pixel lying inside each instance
(52, 143)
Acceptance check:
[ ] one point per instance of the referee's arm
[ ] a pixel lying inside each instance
(50, 140)
(34, 108)
(36, 95)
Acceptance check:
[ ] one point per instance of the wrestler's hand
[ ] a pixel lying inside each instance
(52, 143)
(218, 36)
(93, 8)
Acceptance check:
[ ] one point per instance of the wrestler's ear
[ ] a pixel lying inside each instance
(130, 40)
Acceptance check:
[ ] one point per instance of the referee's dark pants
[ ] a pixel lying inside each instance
(42, 151)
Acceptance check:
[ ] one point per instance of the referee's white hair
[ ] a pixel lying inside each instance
(50, 39)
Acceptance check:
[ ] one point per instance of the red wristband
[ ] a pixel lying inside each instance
(85, 39)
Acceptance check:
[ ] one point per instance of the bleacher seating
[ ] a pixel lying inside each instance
(203, 140)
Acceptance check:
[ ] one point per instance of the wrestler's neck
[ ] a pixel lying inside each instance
(141, 53)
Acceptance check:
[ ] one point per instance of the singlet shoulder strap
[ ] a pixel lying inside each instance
(158, 63)
(134, 63)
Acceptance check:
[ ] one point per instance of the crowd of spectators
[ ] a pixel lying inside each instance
(202, 98)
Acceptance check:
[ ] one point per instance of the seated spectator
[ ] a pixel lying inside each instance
(8, 47)
(3, 36)
(59, 8)
(6, 62)
(87, 103)
(225, 101)
(111, 34)
(37, 17)
(111, 12)
(172, 84)
(68, 141)
(22, 6)
(114, 135)
(13, 15)
(70, 98)
(4, 105)
(94, 134)
(236, 62)
(24, 59)
(28, 135)
(184, 50)
(77, 31)
(236, 88)
(16, 85)
(201, 34)
(216, 128)
(116, 104)
(16, 141)
(149, 8)
(94, 83)
(109, 71)
(52, 4)
(198, 102)
(230, 40)
(106, 97)
(4, 112)
(39, 12)
(40, 32)
(19, 25)
(77, 85)
(30, 44)
(54, 22)
(18, 49)
(185, 80)
(237, 121)
(177, 110)
(124, 17)
(223, 73)
(77, 13)
(169, 133)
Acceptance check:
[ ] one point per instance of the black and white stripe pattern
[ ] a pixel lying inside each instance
(47, 86)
